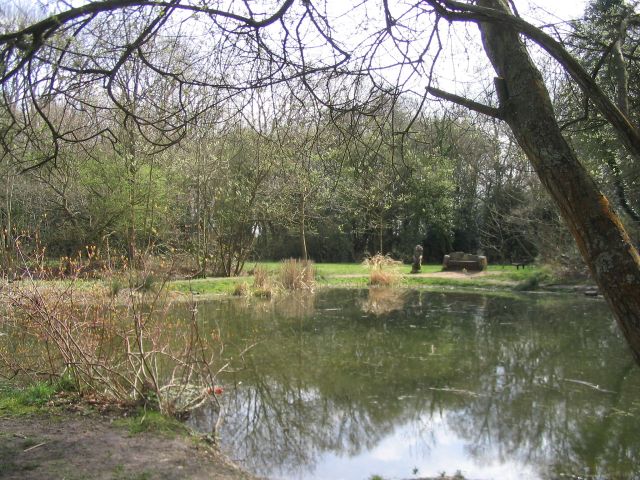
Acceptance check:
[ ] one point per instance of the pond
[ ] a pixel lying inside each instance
(349, 384)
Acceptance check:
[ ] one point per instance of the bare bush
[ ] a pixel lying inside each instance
(123, 348)
(380, 261)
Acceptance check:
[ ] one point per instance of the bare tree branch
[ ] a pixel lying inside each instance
(466, 12)
(465, 102)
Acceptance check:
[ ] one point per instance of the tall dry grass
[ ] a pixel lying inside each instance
(297, 274)
(381, 270)
(379, 261)
(383, 278)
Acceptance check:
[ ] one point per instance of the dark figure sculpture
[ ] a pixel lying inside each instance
(417, 259)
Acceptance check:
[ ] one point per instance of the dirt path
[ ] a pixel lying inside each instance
(448, 274)
(74, 447)
(456, 274)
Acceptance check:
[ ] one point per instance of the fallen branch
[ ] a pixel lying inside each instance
(588, 384)
(458, 391)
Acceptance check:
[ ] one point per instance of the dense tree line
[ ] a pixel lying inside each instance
(285, 175)
(293, 187)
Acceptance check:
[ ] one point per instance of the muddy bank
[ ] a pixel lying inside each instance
(71, 446)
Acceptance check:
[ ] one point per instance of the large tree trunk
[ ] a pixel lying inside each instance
(601, 237)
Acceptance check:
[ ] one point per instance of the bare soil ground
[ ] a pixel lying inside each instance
(73, 447)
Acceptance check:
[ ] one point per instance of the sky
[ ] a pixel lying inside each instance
(563, 9)
(471, 75)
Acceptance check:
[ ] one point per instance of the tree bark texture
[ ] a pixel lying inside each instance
(601, 238)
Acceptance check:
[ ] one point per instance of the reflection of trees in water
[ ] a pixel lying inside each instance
(287, 427)
(335, 381)
(541, 406)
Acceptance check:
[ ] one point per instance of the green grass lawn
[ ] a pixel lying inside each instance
(207, 286)
(357, 275)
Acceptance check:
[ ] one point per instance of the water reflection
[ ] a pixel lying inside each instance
(525, 387)
(381, 300)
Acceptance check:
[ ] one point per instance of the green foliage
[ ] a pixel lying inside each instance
(221, 199)
(115, 286)
(142, 281)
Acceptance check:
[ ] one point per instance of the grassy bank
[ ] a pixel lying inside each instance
(342, 275)
(358, 275)
(34, 398)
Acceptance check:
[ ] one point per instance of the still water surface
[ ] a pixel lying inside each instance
(348, 384)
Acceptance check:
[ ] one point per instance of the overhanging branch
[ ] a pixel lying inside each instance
(467, 103)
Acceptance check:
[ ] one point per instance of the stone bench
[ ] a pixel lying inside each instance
(467, 261)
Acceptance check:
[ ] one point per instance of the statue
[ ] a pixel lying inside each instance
(417, 259)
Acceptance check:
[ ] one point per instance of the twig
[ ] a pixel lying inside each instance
(35, 446)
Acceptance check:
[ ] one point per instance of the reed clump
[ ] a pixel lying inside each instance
(381, 270)
(264, 285)
(297, 275)
(241, 289)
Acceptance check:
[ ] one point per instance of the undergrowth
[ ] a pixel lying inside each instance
(123, 350)
(32, 398)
